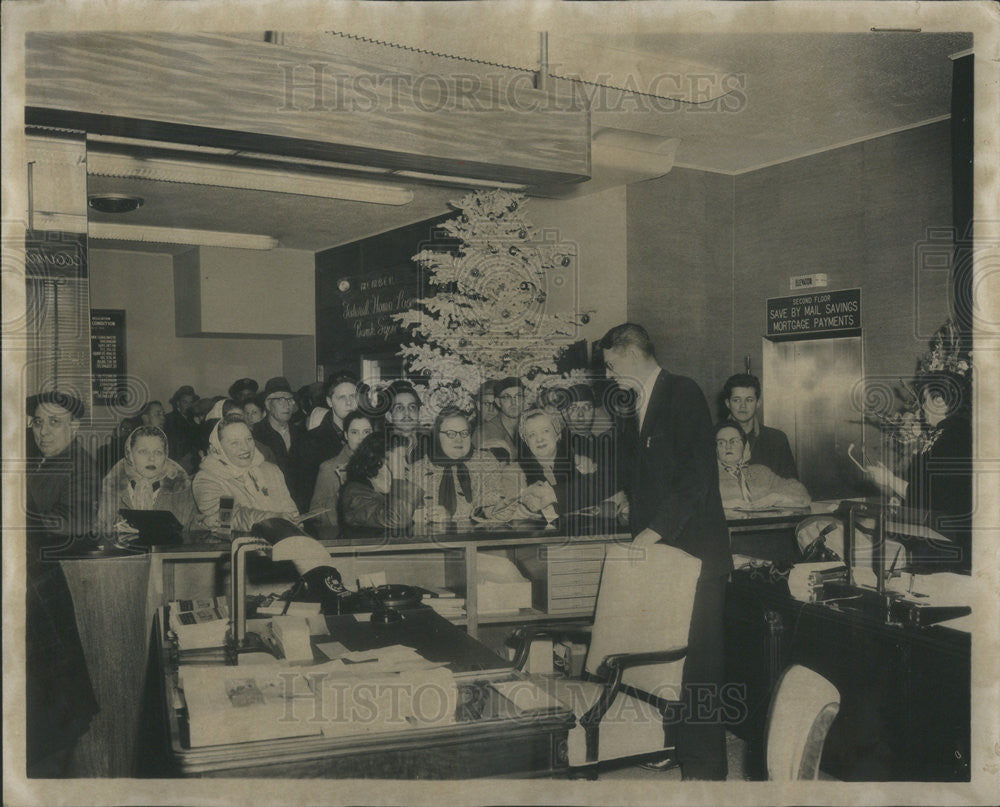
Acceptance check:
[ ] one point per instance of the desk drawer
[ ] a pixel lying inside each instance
(562, 567)
(590, 578)
(564, 578)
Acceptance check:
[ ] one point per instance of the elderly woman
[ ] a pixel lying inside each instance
(555, 477)
(146, 479)
(235, 468)
(463, 482)
(331, 476)
(377, 494)
(750, 487)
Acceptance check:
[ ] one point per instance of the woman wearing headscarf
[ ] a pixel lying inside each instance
(234, 467)
(747, 487)
(462, 481)
(145, 479)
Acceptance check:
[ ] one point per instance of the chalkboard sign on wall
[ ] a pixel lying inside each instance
(107, 355)
(361, 285)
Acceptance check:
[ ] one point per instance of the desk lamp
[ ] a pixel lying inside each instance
(306, 553)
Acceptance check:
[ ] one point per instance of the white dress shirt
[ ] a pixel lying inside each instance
(645, 394)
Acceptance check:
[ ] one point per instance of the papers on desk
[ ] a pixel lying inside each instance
(389, 689)
(239, 704)
(941, 589)
(199, 624)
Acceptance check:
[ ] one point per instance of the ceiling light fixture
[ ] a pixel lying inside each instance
(114, 202)
(451, 180)
(175, 235)
(277, 181)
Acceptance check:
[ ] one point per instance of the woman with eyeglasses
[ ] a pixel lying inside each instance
(462, 483)
(751, 487)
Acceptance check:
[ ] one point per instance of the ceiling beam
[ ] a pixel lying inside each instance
(203, 89)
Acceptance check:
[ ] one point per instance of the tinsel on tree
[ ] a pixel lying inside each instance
(488, 317)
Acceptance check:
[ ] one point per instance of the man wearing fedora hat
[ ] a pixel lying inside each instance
(276, 432)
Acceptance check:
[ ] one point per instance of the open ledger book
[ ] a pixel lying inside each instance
(390, 689)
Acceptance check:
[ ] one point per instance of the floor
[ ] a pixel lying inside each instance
(735, 751)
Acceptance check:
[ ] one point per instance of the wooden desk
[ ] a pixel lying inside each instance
(490, 738)
(905, 692)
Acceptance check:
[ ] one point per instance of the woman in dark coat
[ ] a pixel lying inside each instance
(936, 489)
(556, 477)
(376, 493)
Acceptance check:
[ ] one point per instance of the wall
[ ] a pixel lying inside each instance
(142, 283)
(859, 214)
(258, 293)
(597, 225)
(680, 263)
(706, 250)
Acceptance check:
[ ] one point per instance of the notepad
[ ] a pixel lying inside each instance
(527, 696)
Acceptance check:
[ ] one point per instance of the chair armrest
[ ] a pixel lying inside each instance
(625, 661)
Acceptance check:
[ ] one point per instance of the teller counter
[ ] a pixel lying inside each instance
(562, 567)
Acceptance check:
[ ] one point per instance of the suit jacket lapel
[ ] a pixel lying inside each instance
(654, 394)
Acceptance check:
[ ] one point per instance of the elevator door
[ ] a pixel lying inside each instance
(807, 394)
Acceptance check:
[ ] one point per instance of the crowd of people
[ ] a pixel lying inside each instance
(357, 458)
(347, 456)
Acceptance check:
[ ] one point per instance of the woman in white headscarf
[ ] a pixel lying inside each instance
(234, 467)
(751, 487)
(145, 479)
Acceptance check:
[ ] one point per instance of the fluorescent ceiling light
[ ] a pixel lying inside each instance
(276, 181)
(472, 183)
(175, 235)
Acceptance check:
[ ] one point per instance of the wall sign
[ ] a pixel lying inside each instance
(107, 355)
(51, 253)
(804, 282)
(360, 286)
(832, 313)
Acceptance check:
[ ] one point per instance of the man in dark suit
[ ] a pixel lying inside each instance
(671, 478)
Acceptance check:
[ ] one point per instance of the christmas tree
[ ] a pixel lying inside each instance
(488, 317)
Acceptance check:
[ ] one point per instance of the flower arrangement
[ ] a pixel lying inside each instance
(905, 429)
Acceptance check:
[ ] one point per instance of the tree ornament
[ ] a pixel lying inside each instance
(475, 272)
(565, 260)
(513, 250)
(522, 233)
(585, 318)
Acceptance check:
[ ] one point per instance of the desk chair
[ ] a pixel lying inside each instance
(633, 668)
(803, 708)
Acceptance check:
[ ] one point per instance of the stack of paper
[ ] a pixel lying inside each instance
(199, 624)
(390, 702)
(240, 704)
(449, 607)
